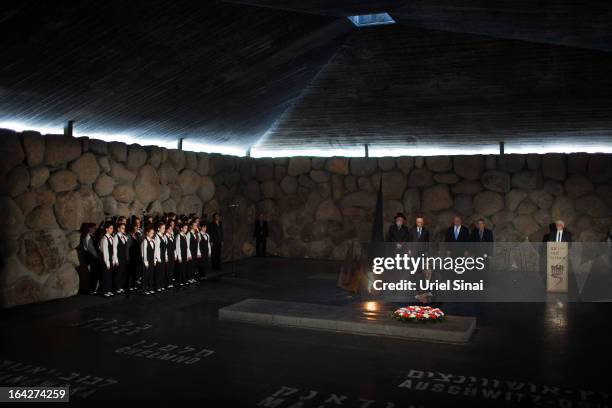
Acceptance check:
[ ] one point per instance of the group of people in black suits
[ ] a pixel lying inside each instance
(419, 235)
(457, 232)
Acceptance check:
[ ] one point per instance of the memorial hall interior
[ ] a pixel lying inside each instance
(272, 149)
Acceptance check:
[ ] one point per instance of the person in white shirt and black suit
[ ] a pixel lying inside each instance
(107, 258)
(205, 250)
(122, 244)
(171, 254)
(194, 247)
(183, 254)
(149, 261)
(161, 256)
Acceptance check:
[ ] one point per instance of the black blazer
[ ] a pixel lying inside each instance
(398, 234)
(261, 229)
(464, 234)
(566, 236)
(216, 232)
(424, 235)
(487, 235)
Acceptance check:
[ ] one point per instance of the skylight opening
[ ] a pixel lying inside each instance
(366, 20)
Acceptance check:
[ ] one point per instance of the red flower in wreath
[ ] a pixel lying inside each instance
(418, 314)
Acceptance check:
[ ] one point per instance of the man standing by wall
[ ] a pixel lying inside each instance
(419, 237)
(419, 233)
(481, 233)
(260, 233)
(215, 230)
(457, 232)
(482, 237)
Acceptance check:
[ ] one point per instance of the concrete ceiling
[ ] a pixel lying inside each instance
(584, 24)
(280, 74)
(213, 72)
(414, 91)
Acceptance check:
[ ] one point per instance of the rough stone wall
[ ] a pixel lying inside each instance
(317, 207)
(50, 185)
(320, 205)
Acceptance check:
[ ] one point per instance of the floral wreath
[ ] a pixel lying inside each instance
(418, 314)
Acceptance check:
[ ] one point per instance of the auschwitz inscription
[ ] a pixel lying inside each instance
(517, 392)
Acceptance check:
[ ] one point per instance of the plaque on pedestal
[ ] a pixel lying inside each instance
(557, 267)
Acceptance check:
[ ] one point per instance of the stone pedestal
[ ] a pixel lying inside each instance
(454, 329)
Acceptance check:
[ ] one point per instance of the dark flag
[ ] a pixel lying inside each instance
(377, 226)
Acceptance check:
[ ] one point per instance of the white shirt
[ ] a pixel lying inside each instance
(144, 248)
(159, 257)
(197, 235)
(559, 235)
(107, 257)
(178, 247)
(206, 237)
(118, 236)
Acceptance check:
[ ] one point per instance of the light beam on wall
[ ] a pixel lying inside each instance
(107, 137)
(367, 20)
(525, 145)
(41, 128)
(129, 139)
(188, 144)
(192, 145)
(399, 150)
(559, 148)
(306, 151)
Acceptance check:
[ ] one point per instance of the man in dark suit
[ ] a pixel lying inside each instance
(457, 232)
(398, 232)
(560, 234)
(483, 239)
(418, 237)
(261, 235)
(215, 231)
(457, 235)
(419, 233)
(481, 233)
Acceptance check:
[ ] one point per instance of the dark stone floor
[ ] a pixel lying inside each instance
(172, 348)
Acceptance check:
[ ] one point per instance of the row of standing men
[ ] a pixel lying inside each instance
(457, 232)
